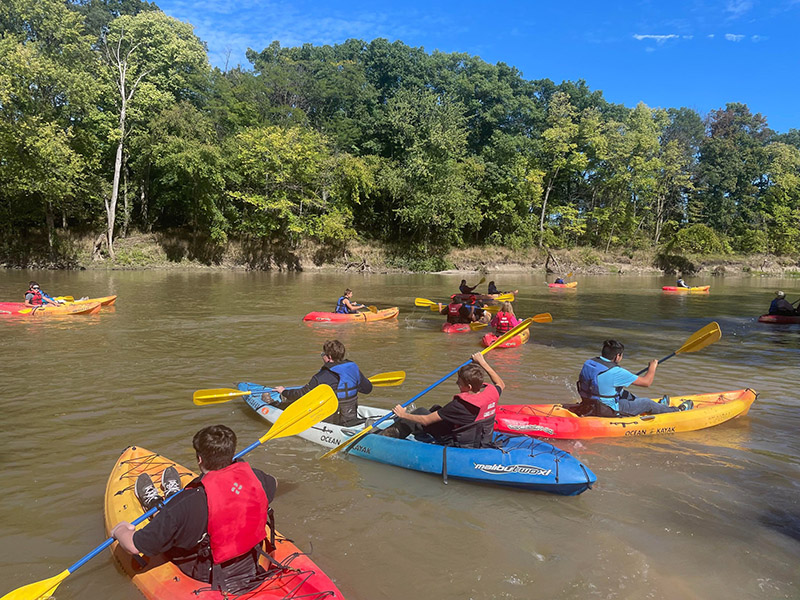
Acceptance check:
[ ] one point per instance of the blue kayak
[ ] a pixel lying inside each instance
(517, 461)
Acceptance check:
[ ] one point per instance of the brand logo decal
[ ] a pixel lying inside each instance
(330, 440)
(237, 487)
(496, 469)
(529, 427)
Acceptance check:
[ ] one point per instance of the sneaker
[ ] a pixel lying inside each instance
(146, 492)
(664, 401)
(686, 405)
(170, 481)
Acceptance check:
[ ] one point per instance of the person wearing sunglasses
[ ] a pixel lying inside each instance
(36, 297)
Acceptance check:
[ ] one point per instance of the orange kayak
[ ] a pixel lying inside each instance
(490, 338)
(386, 313)
(103, 300)
(558, 421)
(19, 309)
(697, 288)
(571, 284)
(159, 579)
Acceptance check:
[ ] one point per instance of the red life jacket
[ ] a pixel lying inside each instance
(503, 323)
(237, 511)
(478, 434)
(453, 315)
(37, 299)
(485, 400)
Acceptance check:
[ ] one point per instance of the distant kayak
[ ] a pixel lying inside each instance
(697, 288)
(490, 338)
(558, 421)
(386, 313)
(456, 328)
(571, 284)
(159, 579)
(516, 461)
(779, 319)
(18, 309)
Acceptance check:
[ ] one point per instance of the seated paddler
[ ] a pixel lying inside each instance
(345, 305)
(342, 375)
(602, 383)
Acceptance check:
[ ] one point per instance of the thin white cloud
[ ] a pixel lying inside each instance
(734, 37)
(758, 38)
(659, 39)
(711, 36)
(737, 8)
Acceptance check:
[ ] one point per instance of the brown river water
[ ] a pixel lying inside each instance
(703, 515)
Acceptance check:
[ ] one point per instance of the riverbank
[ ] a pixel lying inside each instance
(143, 251)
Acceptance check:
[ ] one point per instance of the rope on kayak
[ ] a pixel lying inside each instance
(444, 465)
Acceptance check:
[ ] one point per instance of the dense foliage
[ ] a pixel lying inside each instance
(107, 101)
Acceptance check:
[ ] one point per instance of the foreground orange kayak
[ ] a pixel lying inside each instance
(386, 313)
(557, 421)
(19, 309)
(159, 579)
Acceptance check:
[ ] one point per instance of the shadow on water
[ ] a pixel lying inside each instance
(783, 521)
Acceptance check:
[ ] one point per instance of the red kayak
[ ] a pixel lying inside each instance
(456, 328)
(515, 341)
(787, 319)
(571, 285)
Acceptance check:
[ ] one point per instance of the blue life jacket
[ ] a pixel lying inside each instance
(341, 307)
(347, 390)
(588, 388)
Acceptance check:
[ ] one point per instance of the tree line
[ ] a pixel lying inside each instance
(112, 120)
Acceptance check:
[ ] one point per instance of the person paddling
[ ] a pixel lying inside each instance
(467, 421)
(781, 306)
(681, 283)
(342, 375)
(34, 296)
(559, 281)
(505, 320)
(346, 306)
(214, 530)
(493, 291)
(601, 386)
(465, 289)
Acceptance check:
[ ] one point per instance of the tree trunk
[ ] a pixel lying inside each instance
(50, 219)
(550, 185)
(111, 203)
(126, 212)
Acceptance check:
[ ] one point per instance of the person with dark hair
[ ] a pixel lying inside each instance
(35, 296)
(493, 291)
(346, 306)
(681, 283)
(601, 386)
(781, 306)
(559, 281)
(466, 421)
(342, 375)
(464, 288)
(456, 311)
(214, 529)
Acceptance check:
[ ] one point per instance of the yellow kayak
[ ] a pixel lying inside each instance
(103, 300)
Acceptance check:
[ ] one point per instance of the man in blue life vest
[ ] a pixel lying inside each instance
(213, 530)
(345, 306)
(681, 283)
(34, 296)
(342, 375)
(559, 281)
(601, 387)
(781, 306)
(467, 421)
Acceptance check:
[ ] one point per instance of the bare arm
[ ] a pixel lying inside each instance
(123, 533)
(646, 380)
(428, 419)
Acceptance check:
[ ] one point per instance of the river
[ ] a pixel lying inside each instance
(704, 515)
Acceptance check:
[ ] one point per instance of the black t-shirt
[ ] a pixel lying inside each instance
(177, 529)
(454, 414)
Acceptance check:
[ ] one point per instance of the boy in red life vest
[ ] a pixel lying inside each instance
(219, 518)
(36, 297)
(467, 420)
(456, 312)
(505, 320)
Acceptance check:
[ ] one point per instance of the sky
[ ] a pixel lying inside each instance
(698, 54)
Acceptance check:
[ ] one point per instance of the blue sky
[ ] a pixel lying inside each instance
(665, 54)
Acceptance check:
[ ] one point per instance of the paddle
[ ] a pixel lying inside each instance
(540, 318)
(300, 415)
(502, 339)
(222, 395)
(697, 341)
(65, 298)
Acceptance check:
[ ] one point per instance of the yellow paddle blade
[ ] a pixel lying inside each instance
(301, 414)
(373, 309)
(424, 302)
(348, 442)
(475, 326)
(481, 281)
(507, 336)
(388, 379)
(39, 590)
(701, 338)
(505, 298)
(217, 396)
(543, 318)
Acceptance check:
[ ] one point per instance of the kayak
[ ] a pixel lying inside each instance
(490, 338)
(518, 461)
(697, 288)
(456, 328)
(478, 297)
(20, 310)
(779, 319)
(571, 284)
(558, 421)
(160, 579)
(103, 300)
(386, 313)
